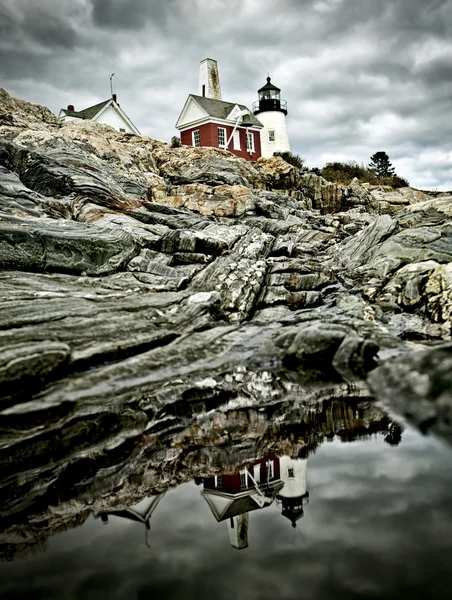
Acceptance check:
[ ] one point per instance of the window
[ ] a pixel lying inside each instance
(236, 139)
(243, 479)
(221, 137)
(290, 473)
(271, 135)
(122, 130)
(203, 90)
(271, 469)
(250, 141)
(196, 137)
(218, 481)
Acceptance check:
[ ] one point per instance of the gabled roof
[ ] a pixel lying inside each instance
(215, 109)
(87, 113)
(95, 111)
(220, 109)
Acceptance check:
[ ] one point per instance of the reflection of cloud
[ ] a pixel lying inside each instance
(358, 76)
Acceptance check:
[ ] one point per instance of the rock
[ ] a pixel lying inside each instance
(218, 201)
(326, 196)
(238, 277)
(439, 294)
(209, 166)
(64, 246)
(419, 386)
(19, 363)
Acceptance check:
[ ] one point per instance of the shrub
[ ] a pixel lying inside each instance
(344, 173)
(398, 182)
(175, 142)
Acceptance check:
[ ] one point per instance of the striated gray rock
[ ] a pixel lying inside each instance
(419, 387)
(49, 245)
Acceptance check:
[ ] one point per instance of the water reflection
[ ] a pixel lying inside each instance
(246, 458)
(367, 532)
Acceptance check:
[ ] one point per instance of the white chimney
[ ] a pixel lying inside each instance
(209, 79)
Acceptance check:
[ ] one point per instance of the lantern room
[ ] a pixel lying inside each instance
(269, 99)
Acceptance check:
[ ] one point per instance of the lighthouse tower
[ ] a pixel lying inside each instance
(272, 113)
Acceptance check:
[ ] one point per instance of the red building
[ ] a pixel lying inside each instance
(207, 121)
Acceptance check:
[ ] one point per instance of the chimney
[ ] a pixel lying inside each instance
(71, 107)
(209, 79)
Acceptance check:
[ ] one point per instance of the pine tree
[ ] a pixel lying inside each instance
(381, 165)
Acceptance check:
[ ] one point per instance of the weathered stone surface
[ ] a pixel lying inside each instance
(419, 386)
(218, 201)
(29, 360)
(210, 166)
(65, 246)
(439, 294)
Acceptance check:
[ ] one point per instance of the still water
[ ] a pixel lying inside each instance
(354, 519)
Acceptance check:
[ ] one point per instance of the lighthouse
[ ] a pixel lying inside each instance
(272, 113)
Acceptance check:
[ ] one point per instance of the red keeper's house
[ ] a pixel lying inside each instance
(206, 120)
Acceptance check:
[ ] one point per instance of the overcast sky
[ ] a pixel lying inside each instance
(359, 76)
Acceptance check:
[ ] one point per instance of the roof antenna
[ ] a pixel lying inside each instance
(111, 84)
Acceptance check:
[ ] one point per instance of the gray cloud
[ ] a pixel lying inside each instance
(358, 75)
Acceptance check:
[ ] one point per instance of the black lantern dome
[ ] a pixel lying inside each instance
(269, 99)
(292, 508)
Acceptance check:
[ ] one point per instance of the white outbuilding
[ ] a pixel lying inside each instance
(108, 113)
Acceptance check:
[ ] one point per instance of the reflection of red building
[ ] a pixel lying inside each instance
(264, 471)
(232, 497)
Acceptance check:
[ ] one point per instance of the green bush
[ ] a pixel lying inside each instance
(344, 173)
(175, 142)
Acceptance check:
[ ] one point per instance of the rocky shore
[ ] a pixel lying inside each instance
(142, 287)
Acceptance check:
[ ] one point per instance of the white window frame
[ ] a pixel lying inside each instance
(271, 135)
(222, 133)
(271, 469)
(250, 142)
(243, 479)
(236, 139)
(193, 138)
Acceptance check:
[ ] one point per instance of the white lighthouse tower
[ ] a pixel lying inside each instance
(272, 113)
(294, 494)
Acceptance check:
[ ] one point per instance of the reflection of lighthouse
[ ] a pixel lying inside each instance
(294, 494)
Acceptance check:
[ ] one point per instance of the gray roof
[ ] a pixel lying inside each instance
(219, 109)
(87, 113)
